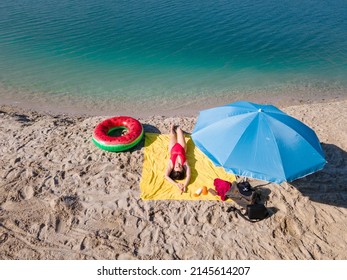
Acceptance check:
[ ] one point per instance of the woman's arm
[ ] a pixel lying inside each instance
(188, 174)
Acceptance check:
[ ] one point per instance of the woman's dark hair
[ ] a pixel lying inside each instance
(178, 175)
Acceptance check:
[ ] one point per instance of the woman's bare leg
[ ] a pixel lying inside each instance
(173, 137)
(180, 138)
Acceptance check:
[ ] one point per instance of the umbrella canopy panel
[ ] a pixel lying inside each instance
(258, 141)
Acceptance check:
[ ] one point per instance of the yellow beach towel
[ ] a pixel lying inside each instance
(153, 184)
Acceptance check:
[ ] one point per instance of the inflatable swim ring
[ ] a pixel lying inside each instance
(118, 134)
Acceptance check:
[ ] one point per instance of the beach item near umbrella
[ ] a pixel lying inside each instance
(258, 141)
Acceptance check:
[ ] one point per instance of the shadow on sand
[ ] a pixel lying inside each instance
(141, 144)
(150, 128)
(329, 185)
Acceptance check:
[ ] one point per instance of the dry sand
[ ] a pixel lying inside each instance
(63, 198)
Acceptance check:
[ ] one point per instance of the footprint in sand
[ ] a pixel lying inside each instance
(3, 238)
(58, 225)
(41, 234)
(27, 192)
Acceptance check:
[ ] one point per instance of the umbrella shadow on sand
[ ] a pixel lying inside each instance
(328, 186)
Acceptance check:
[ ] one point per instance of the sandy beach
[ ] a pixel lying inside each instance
(63, 198)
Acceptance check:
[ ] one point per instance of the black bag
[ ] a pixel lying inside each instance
(254, 212)
(257, 211)
(247, 197)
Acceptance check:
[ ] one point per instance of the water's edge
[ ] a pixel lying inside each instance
(184, 107)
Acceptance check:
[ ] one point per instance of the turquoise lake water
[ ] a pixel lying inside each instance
(157, 52)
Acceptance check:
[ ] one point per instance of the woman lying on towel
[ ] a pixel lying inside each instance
(177, 168)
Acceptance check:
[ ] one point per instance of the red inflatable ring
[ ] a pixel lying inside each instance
(129, 132)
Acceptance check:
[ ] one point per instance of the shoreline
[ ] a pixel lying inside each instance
(64, 104)
(63, 198)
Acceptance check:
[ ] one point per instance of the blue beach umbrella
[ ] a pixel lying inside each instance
(258, 141)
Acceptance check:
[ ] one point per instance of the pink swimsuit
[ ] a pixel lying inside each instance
(177, 150)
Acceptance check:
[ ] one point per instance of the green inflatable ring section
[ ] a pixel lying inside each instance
(119, 147)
